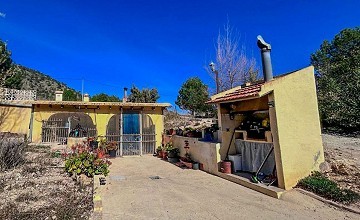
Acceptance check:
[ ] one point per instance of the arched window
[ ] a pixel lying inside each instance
(60, 126)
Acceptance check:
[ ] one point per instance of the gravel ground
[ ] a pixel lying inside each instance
(40, 189)
(342, 155)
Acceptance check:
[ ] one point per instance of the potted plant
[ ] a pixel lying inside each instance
(159, 151)
(100, 150)
(187, 160)
(111, 148)
(174, 152)
(166, 149)
(99, 153)
(173, 155)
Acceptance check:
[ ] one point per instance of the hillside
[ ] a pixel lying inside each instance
(20, 77)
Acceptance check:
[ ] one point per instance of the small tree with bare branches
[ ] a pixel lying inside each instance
(232, 64)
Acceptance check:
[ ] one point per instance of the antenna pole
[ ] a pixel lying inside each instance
(82, 90)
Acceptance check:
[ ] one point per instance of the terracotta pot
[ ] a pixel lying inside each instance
(100, 154)
(164, 154)
(187, 164)
(225, 166)
(201, 166)
(159, 154)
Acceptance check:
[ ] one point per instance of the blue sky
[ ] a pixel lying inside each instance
(116, 44)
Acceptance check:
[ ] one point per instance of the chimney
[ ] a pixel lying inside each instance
(58, 96)
(265, 49)
(86, 97)
(125, 94)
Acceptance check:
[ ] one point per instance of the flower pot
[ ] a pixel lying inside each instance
(173, 159)
(93, 144)
(195, 166)
(225, 166)
(172, 154)
(112, 153)
(201, 166)
(100, 154)
(187, 164)
(164, 155)
(159, 154)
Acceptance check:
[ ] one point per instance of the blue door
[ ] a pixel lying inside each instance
(131, 134)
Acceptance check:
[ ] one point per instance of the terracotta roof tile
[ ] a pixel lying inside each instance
(242, 93)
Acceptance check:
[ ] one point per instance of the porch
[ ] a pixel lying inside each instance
(135, 127)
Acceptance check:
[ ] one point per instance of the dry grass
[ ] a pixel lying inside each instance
(39, 188)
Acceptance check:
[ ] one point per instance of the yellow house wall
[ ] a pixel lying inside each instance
(100, 118)
(15, 119)
(158, 119)
(300, 149)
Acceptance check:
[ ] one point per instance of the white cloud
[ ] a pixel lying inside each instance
(2, 15)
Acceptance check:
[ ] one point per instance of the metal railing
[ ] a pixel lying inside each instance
(53, 131)
(133, 144)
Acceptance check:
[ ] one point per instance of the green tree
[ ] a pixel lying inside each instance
(192, 96)
(71, 95)
(337, 65)
(5, 57)
(102, 97)
(143, 96)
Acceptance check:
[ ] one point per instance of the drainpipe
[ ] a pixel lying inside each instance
(31, 124)
(265, 49)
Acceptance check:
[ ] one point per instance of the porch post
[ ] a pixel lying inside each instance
(141, 135)
(121, 132)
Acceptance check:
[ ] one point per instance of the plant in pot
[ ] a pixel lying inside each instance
(166, 149)
(101, 147)
(159, 150)
(173, 155)
(187, 161)
(111, 148)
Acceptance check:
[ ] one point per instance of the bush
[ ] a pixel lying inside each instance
(12, 153)
(83, 161)
(328, 189)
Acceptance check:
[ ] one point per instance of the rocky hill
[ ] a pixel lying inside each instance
(20, 77)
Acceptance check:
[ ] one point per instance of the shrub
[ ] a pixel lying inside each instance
(83, 161)
(328, 189)
(12, 153)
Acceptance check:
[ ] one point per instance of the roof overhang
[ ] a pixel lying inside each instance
(237, 94)
(120, 104)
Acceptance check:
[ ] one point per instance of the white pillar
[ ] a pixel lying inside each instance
(141, 136)
(121, 132)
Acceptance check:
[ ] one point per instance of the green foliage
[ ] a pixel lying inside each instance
(13, 82)
(143, 96)
(192, 96)
(102, 97)
(71, 95)
(322, 186)
(83, 161)
(15, 76)
(5, 57)
(337, 65)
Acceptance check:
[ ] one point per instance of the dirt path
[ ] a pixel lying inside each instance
(192, 194)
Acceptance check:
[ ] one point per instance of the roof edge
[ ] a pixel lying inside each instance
(44, 102)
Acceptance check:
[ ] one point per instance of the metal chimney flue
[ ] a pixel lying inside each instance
(265, 49)
(125, 94)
